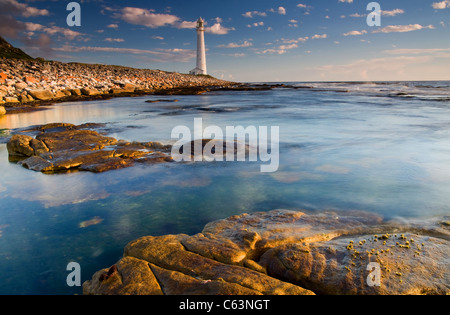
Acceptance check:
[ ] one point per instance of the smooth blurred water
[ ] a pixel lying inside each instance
(379, 147)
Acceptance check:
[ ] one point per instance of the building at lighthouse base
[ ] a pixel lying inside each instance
(197, 71)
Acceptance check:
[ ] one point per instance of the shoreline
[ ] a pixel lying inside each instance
(27, 84)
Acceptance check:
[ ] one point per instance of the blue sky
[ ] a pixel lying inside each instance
(251, 41)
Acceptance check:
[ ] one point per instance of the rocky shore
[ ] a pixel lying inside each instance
(30, 82)
(62, 147)
(285, 252)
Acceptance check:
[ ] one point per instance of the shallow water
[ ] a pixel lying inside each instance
(378, 147)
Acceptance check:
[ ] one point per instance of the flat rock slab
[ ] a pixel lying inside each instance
(286, 252)
(63, 147)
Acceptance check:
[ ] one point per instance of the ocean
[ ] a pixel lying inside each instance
(381, 147)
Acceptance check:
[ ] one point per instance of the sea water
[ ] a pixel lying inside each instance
(382, 147)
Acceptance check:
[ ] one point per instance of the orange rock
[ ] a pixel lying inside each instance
(30, 80)
(3, 77)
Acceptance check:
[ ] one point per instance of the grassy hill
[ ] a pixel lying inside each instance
(10, 52)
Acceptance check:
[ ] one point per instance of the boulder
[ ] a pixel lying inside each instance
(181, 272)
(42, 95)
(30, 80)
(2, 111)
(287, 252)
(60, 94)
(21, 86)
(76, 92)
(11, 100)
(3, 77)
(62, 147)
(19, 145)
(89, 92)
(407, 264)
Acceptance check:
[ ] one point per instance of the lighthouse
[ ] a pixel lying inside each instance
(201, 49)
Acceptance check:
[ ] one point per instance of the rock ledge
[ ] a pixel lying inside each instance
(284, 252)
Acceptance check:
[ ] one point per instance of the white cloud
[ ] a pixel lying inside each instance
(114, 26)
(52, 30)
(235, 45)
(114, 40)
(402, 28)
(256, 24)
(252, 14)
(319, 36)
(441, 5)
(162, 55)
(355, 33)
(347, 1)
(186, 24)
(16, 8)
(282, 11)
(392, 12)
(146, 17)
(218, 29)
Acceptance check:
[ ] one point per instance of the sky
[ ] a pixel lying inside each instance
(247, 41)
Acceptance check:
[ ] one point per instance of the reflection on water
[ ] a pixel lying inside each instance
(338, 151)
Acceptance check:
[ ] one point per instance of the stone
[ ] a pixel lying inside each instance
(182, 272)
(30, 80)
(128, 279)
(409, 265)
(66, 92)
(62, 147)
(21, 86)
(37, 163)
(42, 95)
(235, 239)
(2, 111)
(76, 92)
(127, 87)
(60, 94)
(89, 92)
(11, 100)
(290, 252)
(19, 145)
(38, 146)
(3, 77)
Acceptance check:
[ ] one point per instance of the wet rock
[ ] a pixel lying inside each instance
(11, 100)
(408, 264)
(38, 164)
(182, 272)
(62, 147)
(288, 252)
(42, 95)
(19, 145)
(89, 92)
(131, 274)
(248, 235)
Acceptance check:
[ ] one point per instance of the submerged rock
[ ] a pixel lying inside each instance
(286, 252)
(63, 147)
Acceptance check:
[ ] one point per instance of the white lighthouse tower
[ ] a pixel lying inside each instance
(201, 49)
